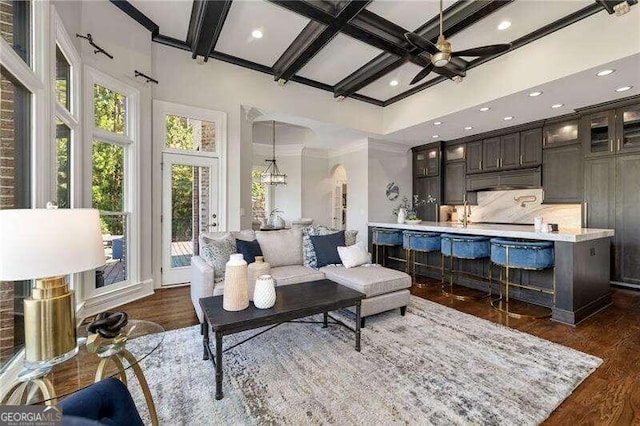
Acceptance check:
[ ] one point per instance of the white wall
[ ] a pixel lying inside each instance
(387, 163)
(317, 187)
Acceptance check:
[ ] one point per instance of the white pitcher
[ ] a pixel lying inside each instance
(402, 215)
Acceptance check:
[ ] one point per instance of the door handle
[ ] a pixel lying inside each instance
(213, 216)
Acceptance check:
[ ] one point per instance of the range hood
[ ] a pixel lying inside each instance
(510, 179)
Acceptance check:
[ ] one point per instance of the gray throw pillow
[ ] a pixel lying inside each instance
(216, 252)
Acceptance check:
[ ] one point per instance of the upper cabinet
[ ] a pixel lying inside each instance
(426, 161)
(454, 153)
(510, 151)
(560, 133)
(531, 148)
(490, 154)
(628, 128)
(612, 131)
(474, 157)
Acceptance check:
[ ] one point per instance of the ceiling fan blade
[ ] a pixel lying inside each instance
(494, 49)
(421, 43)
(449, 71)
(422, 74)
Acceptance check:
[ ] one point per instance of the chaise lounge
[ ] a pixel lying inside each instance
(385, 289)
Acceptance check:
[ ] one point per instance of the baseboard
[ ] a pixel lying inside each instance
(105, 301)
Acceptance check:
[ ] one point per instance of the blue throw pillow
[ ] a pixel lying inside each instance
(249, 250)
(326, 248)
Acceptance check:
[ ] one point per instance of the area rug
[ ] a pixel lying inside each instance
(434, 366)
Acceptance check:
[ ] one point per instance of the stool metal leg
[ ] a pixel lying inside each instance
(451, 276)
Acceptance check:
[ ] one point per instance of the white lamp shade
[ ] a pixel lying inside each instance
(40, 243)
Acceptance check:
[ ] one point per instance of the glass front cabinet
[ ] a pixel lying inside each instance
(628, 128)
(611, 132)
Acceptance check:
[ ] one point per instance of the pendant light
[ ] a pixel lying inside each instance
(272, 175)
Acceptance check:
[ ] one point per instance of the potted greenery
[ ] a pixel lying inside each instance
(410, 207)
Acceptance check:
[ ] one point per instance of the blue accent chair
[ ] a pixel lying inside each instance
(457, 246)
(385, 237)
(117, 249)
(423, 242)
(107, 402)
(519, 254)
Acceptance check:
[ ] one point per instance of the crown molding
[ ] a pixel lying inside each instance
(349, 148)
(396, 148)
(316, 153)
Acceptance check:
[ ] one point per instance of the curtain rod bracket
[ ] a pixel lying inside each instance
(97, 49)
(146, 77)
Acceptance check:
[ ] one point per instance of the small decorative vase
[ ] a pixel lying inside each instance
(264, 295)
(254, 270)
(402, 215)
(235, 296)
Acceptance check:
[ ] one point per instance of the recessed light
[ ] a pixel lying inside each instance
(435, 136)
(393, 83)
(534, 94)
(557, 106)
(468, 128)
(437, 123)
(484, 109)
(623, 88)
(256, 34)
(604, 72)
(504, 25)
(507, 118)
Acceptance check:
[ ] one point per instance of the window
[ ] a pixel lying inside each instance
(111, 108)
(63, 163)
(190, 134)
(15, 26)
(258, 196)
(63, 80)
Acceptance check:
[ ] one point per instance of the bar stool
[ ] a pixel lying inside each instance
(464, 247)
(423, 242)
(386, 238)
(529, 255)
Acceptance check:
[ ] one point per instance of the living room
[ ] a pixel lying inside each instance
(432, 203)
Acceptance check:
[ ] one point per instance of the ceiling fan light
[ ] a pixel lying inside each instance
(440, 59)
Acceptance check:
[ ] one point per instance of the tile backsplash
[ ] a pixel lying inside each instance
(501, 206)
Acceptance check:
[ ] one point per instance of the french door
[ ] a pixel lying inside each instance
(189, 207)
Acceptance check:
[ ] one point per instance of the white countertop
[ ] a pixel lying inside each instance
(573, 235)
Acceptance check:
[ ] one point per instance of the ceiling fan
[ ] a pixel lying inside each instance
(441, 52)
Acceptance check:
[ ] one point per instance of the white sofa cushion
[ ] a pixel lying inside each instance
(354, 255)
(281, 248)
(294, 274)
(371, 280)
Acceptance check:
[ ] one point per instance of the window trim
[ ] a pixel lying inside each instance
(131, 142)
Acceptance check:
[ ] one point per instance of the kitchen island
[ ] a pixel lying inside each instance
(582, 265)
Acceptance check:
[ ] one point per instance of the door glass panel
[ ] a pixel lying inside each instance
(599, 134)
(561, 133)
(454, 153)
(190, 134)
(631, 128)
(108, 188)
(63, 80)
(110, 110)
(15, 192)
(190, 191)
(15, 26)
(63, 164)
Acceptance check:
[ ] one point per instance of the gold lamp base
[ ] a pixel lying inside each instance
(49, 323)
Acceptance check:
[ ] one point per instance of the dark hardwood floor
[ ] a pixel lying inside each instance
(611, 395)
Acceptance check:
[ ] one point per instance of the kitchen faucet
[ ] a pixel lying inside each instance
(466, 213)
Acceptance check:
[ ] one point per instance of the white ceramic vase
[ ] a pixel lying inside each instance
(236, 292)
(264, 295)
(402, 215)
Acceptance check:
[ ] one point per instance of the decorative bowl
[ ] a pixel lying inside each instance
(412, 221)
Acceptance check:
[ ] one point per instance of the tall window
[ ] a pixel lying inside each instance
(16, 153)
(113, 107)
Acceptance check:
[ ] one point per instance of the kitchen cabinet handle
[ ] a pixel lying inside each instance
(611, 145)
(586, 214)
(619, 145)
(521, 159)
(497, 162)
(480, 164)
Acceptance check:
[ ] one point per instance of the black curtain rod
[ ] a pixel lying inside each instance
(149, 79)
(98, 49)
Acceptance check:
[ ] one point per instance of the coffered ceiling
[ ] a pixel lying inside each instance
(352, 48)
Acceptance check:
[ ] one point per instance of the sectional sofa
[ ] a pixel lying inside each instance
(385, 289)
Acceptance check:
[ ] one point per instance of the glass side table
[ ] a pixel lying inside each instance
(97, 359)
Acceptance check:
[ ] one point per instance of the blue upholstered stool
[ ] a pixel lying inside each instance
(386, 238)
(424, 242)
(458, 246)
(531, 255)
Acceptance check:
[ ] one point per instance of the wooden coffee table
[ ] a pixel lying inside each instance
(293, 302)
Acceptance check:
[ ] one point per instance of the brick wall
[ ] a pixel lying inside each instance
(7, 182)
(204, 139)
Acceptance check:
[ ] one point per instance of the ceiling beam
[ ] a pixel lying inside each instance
(312, 39)
(205, 25)
(457, 17)
(138, 16)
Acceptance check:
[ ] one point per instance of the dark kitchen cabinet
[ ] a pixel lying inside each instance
(598, 133)
(491, 151)
(628, 128)
(474, 157)
(562, 174)
(510, 151)
(426, 161)
(426, 188)
(599, 193)
(454, 183)
(627, 246)
(558, 133)
(454, 153)
(531, 148)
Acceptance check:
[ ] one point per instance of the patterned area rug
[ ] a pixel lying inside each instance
(434, 366)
